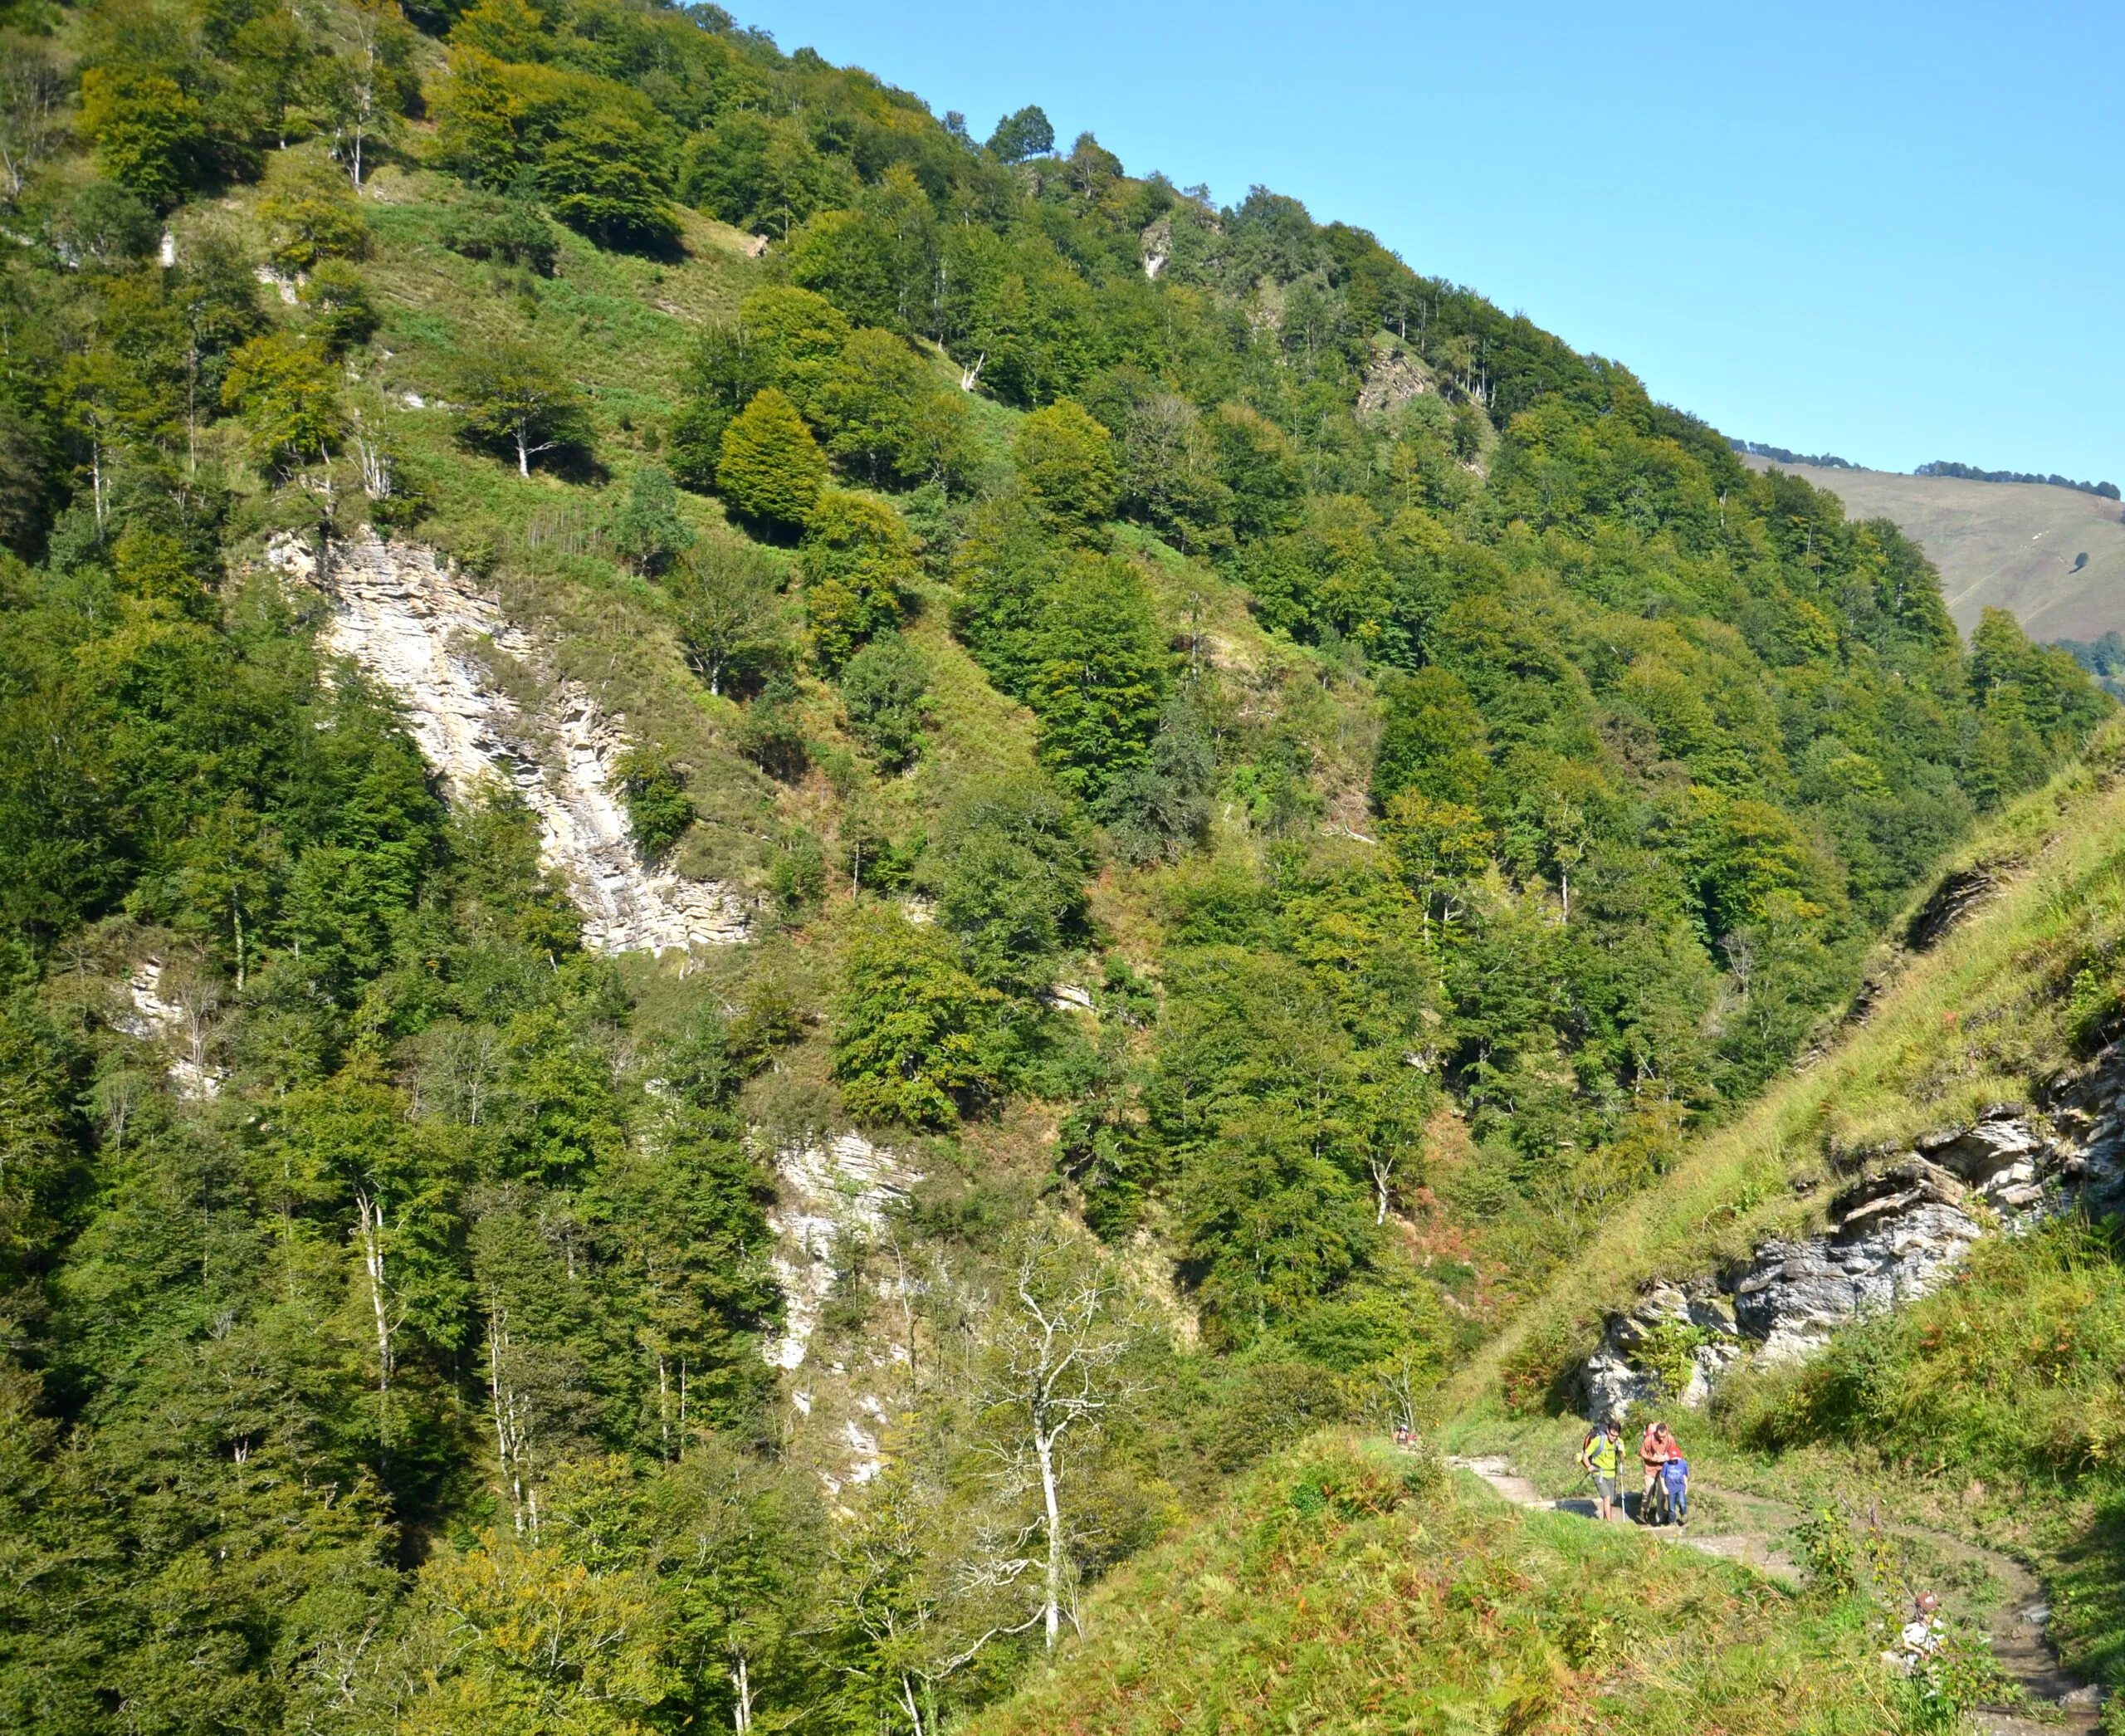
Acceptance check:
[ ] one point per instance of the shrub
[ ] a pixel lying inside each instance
(1829, 1553)
(858, 561)
(341, 315)
(798, 877)
(105, 224)
(513, 231)
(646, 525)
(884, 691)
(311, 214)
(768, 466)
(659, 811)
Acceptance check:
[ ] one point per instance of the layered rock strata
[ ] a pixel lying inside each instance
(1895, 1232)
(833, 1197)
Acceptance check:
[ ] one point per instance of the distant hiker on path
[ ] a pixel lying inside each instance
(1601, 1455)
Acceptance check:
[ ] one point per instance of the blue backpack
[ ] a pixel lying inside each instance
(1675, 1472)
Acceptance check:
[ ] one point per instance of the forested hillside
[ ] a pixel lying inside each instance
(1265, 796)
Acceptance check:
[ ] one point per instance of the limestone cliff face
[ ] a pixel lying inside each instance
(1897, 1231)
(423, 629)
(833, 1196)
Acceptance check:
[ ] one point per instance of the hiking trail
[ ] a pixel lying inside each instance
(1754, 1532)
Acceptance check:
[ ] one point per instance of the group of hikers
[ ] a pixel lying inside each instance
(1665, 1499)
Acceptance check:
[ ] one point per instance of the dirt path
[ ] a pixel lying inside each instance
(2015, 1626)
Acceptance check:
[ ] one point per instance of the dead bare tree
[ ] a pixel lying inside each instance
(1049, 1370)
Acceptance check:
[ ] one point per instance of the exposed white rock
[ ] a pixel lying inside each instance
(1155, 245)
(830, 1192)
(864, 1458)
(183, 1025)
(422, 628)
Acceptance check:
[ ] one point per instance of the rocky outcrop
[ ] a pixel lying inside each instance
(181, 1019)
(1958, 894)
(1155, 247)
(832, 1197)
(831, 1191)
(1895, 1232)
(1392, 378)
(424, 629)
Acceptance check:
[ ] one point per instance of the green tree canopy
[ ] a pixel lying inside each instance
(1065, 462)
(859, 560)
(515, 398)
(908, 1025)
(768, 466)
(604, 173)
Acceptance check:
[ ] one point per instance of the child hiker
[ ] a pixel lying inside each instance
(1675, 1484)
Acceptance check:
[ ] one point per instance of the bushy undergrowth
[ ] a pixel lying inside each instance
(2010, 1369)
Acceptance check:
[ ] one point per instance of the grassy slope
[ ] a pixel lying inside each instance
(2005, 546)
(1325, 1595)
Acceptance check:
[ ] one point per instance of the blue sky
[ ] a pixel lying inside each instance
(1887, 230)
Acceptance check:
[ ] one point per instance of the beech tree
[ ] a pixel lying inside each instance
(858, 561)
(1065, 462)
(907, 1024)
(311, 215)
(1100, 675)
(768, 466)
(287, 391)
(604, 175)
(1026, 134)
(724, 603)
(149, 131)
(515, 398)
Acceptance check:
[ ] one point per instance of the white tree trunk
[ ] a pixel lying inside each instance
(741, 1713)
(1044, 1439)
(368, 1213)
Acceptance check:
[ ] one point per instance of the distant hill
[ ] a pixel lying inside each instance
(2011, 546)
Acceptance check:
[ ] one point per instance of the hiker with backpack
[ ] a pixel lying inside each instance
(1601, 1457)
(1654, 1448)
